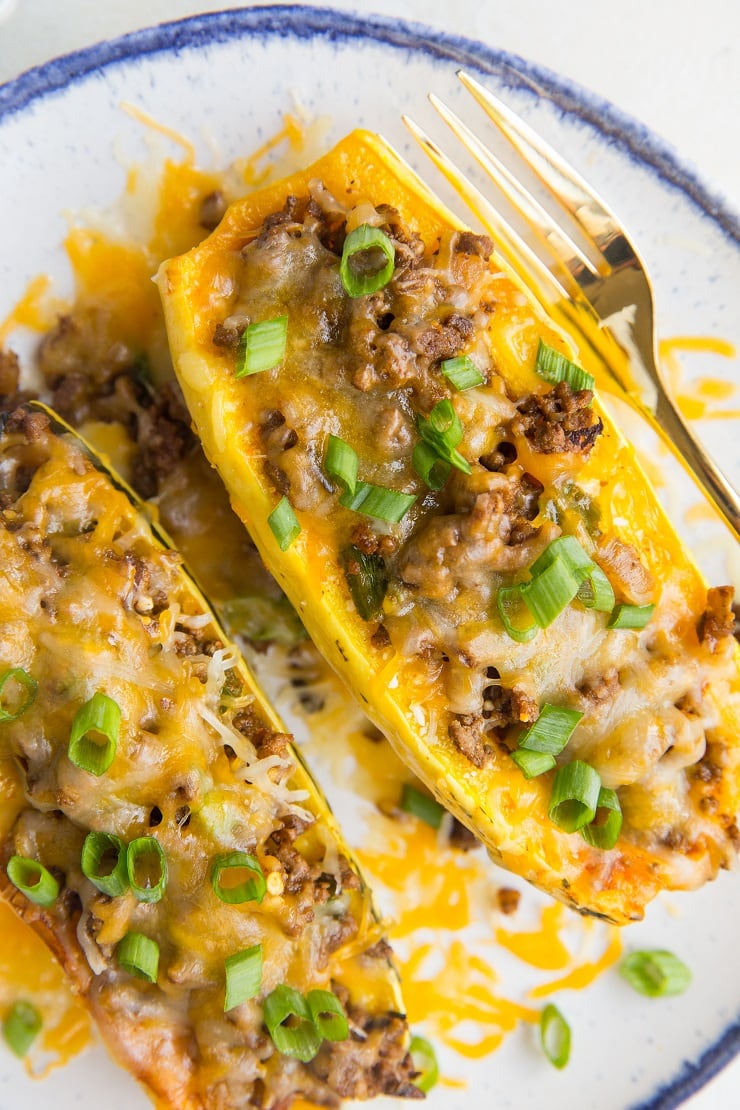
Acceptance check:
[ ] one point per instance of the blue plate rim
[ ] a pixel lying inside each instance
(304, 21)
(600, 115)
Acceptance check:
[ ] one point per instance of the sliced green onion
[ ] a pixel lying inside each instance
(571, 496)
(139, 955)
(373, 269)
(367, 578)
(562, 572)
(328, 1015)
(33, 880)
(341, 462)
(104, 863)
(428, 465)
(631, 616)
(568, 550)
(143, 371)
(262, 346)
(21, 1027)
(532, 764)
(243, 976)
(300, 1039)
(16, 676)
(260, 618)
(554, 368)
(515, 615)
(442, 430)
(552, 730)
(146, 861)
(596, 592)
(378, 502)
(656, 973)
(238, 889)
(462, 372)
(547, 595)
(555, 1036)
(284, 524)
(575, 796)
(604, 830)
(425, 1062)
(420, 805)
(94, 737)
(444, 422)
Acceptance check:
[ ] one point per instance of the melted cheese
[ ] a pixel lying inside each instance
(586, 972)
(700, 401)
(28, 971)
(35, 309)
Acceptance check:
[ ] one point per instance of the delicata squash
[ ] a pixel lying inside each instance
(466, 536)
(157, 828)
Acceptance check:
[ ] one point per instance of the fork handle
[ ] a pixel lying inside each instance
(672, 428)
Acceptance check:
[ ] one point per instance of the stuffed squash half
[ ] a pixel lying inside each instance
(467, 538)
(156, 826)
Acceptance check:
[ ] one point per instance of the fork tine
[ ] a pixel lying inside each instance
(587, 210)
(530, 269)
(561, 246)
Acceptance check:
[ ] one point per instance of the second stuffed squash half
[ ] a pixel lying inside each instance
(158, 829)
(467, 538)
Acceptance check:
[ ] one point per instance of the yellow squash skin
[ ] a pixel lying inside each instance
(496, 802)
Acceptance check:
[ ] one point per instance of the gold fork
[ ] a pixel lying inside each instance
(605, 291)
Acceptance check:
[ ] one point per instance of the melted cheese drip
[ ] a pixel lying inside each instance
(697, 399)
(464, 989)
(293, 130)
(584, 974)
(542, 948)
(35, 309)
(431, 884)
(28, 971)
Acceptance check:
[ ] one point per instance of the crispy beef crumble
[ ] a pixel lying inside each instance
(561, 420)
(718, 621)
(212, 210)
(371, 1060)
(165, 438)
(10, 394)
(508, 899)
(462, 838)
(488, 531)
(503, 707)
(467, 734)
(600, 688)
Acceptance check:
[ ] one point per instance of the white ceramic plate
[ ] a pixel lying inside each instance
(225, 80)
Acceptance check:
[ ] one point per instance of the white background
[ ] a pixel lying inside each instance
(672, 64)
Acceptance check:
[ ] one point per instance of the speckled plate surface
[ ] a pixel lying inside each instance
(225, 80)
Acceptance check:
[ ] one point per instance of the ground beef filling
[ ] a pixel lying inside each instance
(11, 395)
(89, 374)
(473, 733)
(718, 622)
(389, 347)
(468, 735)
(394, 339)
(562, 420)
(372, 1061)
